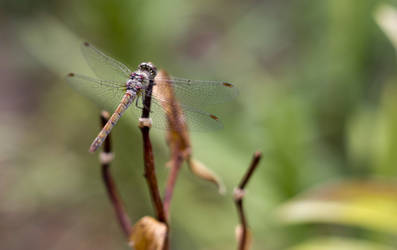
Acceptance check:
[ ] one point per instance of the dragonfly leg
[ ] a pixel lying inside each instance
(137, 102)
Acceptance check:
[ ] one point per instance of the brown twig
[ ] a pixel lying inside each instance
(150, 175)
(251, 169)
(238, 198)
(150, 172)
(106, 158)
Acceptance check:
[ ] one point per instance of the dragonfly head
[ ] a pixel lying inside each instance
(149, 69)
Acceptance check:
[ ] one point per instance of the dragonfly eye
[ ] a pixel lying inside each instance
(148, 68)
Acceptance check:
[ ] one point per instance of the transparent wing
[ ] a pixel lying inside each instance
(197, 93)
(196, 120)
(104, 66)
(107, 94)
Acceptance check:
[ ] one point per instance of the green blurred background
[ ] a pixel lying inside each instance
(318, 96)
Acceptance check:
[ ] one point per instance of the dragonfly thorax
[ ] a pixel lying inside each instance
(137, 81)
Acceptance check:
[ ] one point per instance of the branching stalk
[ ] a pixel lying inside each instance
(238, 199)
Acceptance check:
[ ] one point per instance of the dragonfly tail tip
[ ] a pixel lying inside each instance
(92, 149)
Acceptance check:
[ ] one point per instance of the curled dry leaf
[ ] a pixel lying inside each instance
(239, 236)
(148, 234)
(178, 136)
(200, 170)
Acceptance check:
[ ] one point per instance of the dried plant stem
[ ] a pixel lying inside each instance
(171, 181)
(251, 169)
(106, 158)
(238, 199)
(150, 175)
(150, 171)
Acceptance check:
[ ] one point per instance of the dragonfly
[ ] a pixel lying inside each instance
(118, 87)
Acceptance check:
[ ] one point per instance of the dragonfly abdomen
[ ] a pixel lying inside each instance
(128, 98)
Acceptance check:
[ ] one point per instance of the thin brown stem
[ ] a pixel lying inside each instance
(171, 181)
(150, 175)
(251, 169)
(244, 224)
(238, 198)
(106, 158)
(150, 171)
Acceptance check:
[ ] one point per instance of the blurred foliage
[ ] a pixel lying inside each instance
(318, 93)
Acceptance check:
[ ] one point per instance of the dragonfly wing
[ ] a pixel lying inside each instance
(107, 94)
(197, 93)
(196, 120)
(104, 66)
